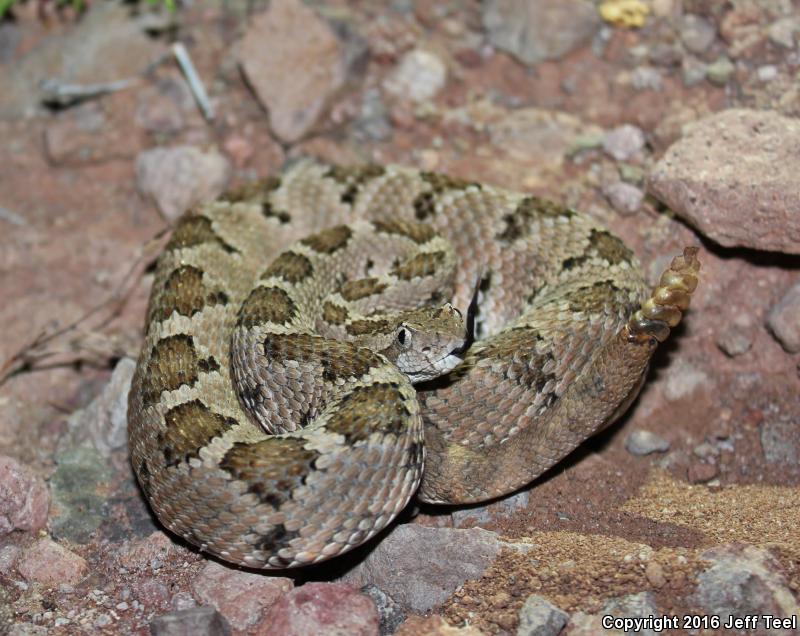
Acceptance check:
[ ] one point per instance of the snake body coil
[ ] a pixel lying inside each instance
(263, 430)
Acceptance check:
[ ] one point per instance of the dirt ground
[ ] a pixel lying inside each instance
(80, 227)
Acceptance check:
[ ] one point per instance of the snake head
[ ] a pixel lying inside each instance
(428, 342)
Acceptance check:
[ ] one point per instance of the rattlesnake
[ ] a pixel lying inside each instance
(563, 332)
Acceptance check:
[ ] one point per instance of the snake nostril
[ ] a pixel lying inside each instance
(426, 349)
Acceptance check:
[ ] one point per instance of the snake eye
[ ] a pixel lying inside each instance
(402, 336)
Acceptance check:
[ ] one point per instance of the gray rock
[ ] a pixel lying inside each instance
(421, 567)
(767, 73)
(641, 442)
(720, 71)
(751, 202)
(390, 613)
(623, 142)
(784, 320)
(539, 617)
(78, 488)
(290, 35)
(696, 33)
(693, 71)
(780, 441)
(647, 78)
(639, 605)
(373, 120)
(180, 177)
(624, 198)
(538, 30)
(743, 580)
(735, 340)
(418, 77)
(197, 621)
(104, 422)
(477, 516)
(784, 31)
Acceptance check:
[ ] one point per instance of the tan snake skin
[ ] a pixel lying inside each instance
(338, 438)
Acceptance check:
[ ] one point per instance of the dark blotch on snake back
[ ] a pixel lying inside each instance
(361, 288)
(329, 241)
(367, 410)
(362, 327)
(195, 230)
(354, 179)
(337, 359)
(291, 267)
(271, 468)
(417, 232)
(267, 304)
(423, 264)
(333, 314)
(594, 298)
(173, 363)
(185, 293)
(190, 426)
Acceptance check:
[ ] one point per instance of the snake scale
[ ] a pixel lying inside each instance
(263, 431)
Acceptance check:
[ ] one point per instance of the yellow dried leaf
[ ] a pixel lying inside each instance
(624, 13)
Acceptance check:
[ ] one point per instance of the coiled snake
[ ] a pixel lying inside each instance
(265, 432)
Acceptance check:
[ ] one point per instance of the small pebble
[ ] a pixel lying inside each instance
(623, 142)
(641, 442)
(655, 574)
(646, 78)
(767, 73)
(719, 72)
(697, 33)
(701, 472)
(624, 198)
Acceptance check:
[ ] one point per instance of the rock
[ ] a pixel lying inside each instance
(743, 580)
(720, 71)
(751, 202)
(434, 626)
(373, 119)
(79, 487)
(390, 614)
(88, 133)
(197, 621)
(647, 78)
(160, 109)
(9, 554)
(418, 77)
(49, 563)
(322, 608)
(655, 574)
(105, 45)
(421, 567)
(139, 555)
(737, 338)
(624, 142)
(696, 33)
(701, 472)
(767, 73)
(289, 35)
(538, 30)
(624, 198)
(554, 134)
(641, 442)
(684, 380)
(784, 31)
(539, 617)
(152, 593)
(180, 177)
(104, 422)
(784, 319)
(476, 516)
(24, 498)
(639, 605)
(779, 439)
(241, 597)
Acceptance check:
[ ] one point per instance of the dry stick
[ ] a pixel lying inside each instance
(32, 353)
(195, 83)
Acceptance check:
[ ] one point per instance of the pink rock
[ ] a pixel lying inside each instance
(734, 177)
(24, 498)
(322, 608)
(49, 563)
(180, 177)
(289, 35)
(241, 597)
(784, 320)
